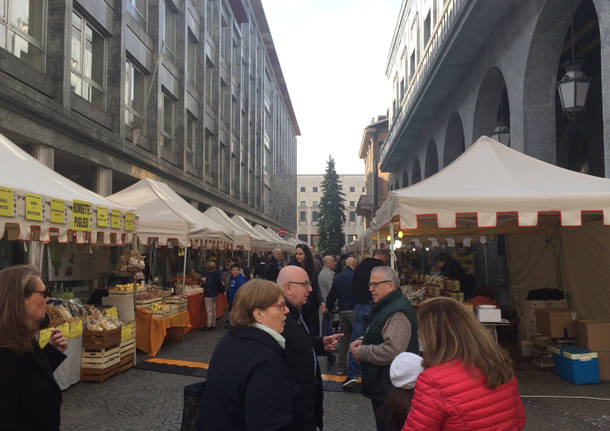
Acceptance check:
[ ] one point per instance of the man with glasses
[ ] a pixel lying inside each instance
(302, 350)
(392, 330)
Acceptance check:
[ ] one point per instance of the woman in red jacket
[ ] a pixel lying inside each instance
(468, 381)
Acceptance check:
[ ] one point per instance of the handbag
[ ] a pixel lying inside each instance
(190, 410)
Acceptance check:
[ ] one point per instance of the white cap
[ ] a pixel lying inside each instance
(404, 370)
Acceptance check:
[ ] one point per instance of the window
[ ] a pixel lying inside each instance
(167, 29)
(225, 103)
(88, 61)
(135, 93)
(236, 114)
(302, 203)
(225, 40)
(314, 216)
(302, 216)
(412, 65)
(191, 135)
(352, 203)
(315, 203)
(21, 30)
(211, 95)
(302, 189)
(169, 122)
(138, 9)
(362, 189)
(302, 238)
(352, 189)
(427, 29)
(211, 157)
(352, 216)
(267, 160)
(315, 190)
(192, 59)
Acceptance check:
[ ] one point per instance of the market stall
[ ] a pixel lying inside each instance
(262, 239)
(242, 239)
(284, 245)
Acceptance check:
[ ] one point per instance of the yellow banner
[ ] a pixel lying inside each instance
(125, 333)
(65, 329)
(6, 202)
(33, 207)
(102, 217)
(115, 219)
(112, 312)
(80, 215)
(45, 336)
(129, 221)
(76, 329)
(58, 211)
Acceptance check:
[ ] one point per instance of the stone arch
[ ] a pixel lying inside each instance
(489, 99)
(416, 172)
(431, 166)
(454, 139)
(405, 179)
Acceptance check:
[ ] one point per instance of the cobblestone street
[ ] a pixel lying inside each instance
(146, 400)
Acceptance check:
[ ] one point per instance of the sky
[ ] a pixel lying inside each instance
(333, 55)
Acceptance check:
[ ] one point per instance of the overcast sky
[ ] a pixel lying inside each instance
(333, 55)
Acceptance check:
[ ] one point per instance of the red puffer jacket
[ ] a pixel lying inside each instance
(448, 397)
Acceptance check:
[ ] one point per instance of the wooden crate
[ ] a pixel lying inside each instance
(99, 375)
(128, 348)
(100, 359)
(98, 340)
(147, 302)
(176, 300)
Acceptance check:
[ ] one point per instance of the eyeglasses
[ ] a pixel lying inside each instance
(281, 306)
(301, 283)
(45, 293)
(377, 283)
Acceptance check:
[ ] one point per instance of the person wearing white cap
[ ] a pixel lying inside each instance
(403, 373)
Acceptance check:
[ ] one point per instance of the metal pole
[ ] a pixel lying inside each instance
(392, 254)
(485, 255)
(186, 250)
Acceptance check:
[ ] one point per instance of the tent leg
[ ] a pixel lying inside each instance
(186, 250)
(486, 272)
(392, 254)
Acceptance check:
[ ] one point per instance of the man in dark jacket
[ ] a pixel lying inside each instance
(342, 290)
(392, 330)
(272, 270)
(301, 351)
(362, 298)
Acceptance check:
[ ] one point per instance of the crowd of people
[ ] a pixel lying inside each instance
(265, 372)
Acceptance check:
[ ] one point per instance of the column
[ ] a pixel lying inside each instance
(103, 181)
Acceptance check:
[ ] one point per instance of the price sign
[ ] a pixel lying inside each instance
(33, 207)
(44, 337)
(129, 221)
(58, 211)
(102, 217)
(6, 202)
(76, 329)
(112, 312)
(80, 215)
(125, 333)
(115, 217)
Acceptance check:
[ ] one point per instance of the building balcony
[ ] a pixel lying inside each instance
(461, 30)
(364, 208)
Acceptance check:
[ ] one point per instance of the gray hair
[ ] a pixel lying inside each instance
(382, 252)
(388, 274)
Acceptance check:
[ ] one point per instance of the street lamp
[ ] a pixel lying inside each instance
(573, 86)
(502, 134)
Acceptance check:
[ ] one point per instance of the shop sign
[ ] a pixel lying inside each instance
(58, 211)
(102, 217)
(80, 215)
(129, 221)
(33, 207)
(115, 219)
(7, 202)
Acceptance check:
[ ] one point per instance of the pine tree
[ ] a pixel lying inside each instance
(332, 213)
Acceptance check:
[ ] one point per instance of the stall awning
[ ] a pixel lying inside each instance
(490, 185)
(262, 239)
(36, 201)
(241, 238)
(165, 216)
(284, 245)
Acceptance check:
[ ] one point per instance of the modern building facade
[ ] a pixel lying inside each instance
(189, 92)
(309, 193)
(460, 69)
(376, 181)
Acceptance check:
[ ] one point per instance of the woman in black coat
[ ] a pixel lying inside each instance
(304, 259)
(249, 386)
(30, 399)
(212, 287)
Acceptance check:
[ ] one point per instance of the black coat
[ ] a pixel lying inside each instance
(308, 407)
(342, 290)
(362, 276)
(249, 385)
(311, 308)
(272, 270)
(30, 398)
(213, 285)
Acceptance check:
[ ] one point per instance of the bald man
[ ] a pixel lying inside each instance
(342, 290)
(302, 350)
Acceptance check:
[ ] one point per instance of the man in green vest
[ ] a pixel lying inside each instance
(392, 330)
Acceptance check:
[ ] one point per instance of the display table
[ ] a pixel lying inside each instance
(196, 309)
(152, 331)
(68, 372)
(491, 327)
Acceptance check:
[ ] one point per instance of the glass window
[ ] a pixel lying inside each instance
(192, 59)
(352, 203)
(302, 203)
(211, 94)
(302, 216)
(167, 29)
(169, 114)
(135, 93)
(190, 135)
(211, 157)
(315, 203)
(138, 9)
(363, 189)
(314, 216)
(22, 28)
(352, 216)
(303, 189)
(352, 189)
(315, 190)
(88, 54)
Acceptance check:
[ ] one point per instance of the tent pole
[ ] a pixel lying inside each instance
(485, 255)
(392, 254)
(186, 250)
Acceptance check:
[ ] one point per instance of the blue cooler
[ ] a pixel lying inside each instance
(576, 364)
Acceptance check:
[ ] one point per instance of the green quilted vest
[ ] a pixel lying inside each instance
(376, 383)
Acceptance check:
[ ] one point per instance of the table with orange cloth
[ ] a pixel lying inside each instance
(196, 309)
(151, 330)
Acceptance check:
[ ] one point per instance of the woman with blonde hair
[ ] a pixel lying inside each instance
(30, 399)
(468, 381)
(249, 385)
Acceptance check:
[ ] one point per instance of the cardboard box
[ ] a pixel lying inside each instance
(527, 319)
(603, 360)
(594, 335)
(557, 323)
(489, 315)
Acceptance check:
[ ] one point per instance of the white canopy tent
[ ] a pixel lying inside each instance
(35, 201)
(262, 239)
(554, 217)
(266, 234)
(241, 237)
(284, 245)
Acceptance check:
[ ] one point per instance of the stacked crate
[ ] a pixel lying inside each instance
(101, 355)
(128, 346)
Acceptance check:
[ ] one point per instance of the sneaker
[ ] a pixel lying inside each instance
(349, 384)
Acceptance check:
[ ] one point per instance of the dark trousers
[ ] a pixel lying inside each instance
(379, 416)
